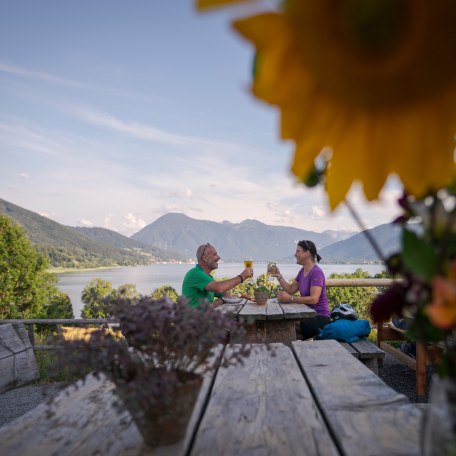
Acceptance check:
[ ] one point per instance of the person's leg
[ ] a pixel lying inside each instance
(309, 327)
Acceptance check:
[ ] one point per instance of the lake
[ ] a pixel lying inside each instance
(148, 278)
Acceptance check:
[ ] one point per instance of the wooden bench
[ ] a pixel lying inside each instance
(17, 360)
(425, 355)
(367, 352)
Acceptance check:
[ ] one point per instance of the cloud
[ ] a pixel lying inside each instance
(19, 71)
(85, 222)
(23, 176)
(133, 222)
(139, 130)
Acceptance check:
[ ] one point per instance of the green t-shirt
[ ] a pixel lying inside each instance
(194, 284)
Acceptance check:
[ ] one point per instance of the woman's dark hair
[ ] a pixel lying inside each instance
(309, 246)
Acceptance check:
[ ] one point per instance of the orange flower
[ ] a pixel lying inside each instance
(442, 310)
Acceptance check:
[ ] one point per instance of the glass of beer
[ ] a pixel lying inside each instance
(272, 270)
(248, 264)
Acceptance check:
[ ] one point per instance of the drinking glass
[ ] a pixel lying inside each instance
(272, 269)
(248, 264)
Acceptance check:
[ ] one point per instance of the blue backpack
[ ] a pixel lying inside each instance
(345, 330)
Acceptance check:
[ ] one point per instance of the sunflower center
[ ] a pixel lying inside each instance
(376, 53)
(371, 28)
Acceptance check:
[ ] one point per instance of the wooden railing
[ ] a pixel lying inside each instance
(110, 321)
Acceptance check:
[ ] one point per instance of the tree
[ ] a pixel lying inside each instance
(165, 290)
(25, 286)
(127, 291)
(94, 296)
(358, 297)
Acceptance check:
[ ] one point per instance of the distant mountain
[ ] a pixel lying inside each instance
(234, 241)
(119, 241)
(357, 249)
(66, 247)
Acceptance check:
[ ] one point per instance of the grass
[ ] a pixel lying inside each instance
(47, 361)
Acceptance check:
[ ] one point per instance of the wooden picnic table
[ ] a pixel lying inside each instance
(310, 398)
(274, 322)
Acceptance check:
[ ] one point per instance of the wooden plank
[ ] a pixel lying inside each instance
(86, 420)
(233, 308)
(365, 415)
(402, 357)
(350, 349)
(273, 310)
(297, 311)
(367, 349)
(263, 408)
(252, 311)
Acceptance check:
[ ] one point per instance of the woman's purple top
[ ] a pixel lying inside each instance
(315, 278)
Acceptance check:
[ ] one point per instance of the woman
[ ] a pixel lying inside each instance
(311, 284)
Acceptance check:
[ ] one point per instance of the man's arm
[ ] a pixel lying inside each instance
(223, 286)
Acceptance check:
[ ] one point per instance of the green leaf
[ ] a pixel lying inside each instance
(419, 256)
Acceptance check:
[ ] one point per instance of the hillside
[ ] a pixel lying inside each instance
(234, 241)
(66, 247)
(357, 249)
(117, 240)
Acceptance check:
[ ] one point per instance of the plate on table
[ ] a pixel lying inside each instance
(231, 299)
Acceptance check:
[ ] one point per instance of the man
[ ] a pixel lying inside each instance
(199, 284)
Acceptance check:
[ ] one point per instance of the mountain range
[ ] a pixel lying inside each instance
(234, 241)
(175, 237)
(80, 247)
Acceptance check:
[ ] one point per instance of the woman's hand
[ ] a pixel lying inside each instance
(277, 274)
(283, 296)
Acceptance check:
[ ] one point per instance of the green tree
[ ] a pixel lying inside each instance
(94, 296)
(59, 306)
(127, 291)
(165, 290)
(358, 297)
(25, 286)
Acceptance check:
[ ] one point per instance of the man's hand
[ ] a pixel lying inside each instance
(247, 273)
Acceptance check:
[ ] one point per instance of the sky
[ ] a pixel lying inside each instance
(114, 113)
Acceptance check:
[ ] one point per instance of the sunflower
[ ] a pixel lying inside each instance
(372, 80)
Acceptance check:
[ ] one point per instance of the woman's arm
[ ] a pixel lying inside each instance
(315, 293)
(289, 288)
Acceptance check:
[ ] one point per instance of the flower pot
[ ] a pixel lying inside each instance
(163, 420)
(438, 427)
(261, 297)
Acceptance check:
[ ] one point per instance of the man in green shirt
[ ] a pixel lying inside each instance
(199, 285)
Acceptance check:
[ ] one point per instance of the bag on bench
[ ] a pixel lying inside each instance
(345, 330)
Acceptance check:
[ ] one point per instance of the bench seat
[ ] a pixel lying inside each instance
(367, 352)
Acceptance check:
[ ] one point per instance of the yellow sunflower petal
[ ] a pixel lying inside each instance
(385, 104)
(203, 4)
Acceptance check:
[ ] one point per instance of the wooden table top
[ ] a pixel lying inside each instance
(273, 310)
(312, 398)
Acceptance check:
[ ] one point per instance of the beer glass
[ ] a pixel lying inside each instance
(248, 264)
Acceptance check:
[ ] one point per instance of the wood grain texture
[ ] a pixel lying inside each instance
(251, 310)
(366, 416)
(297, 311)
(367, 349)
(274, 310)
(85, 420)
(350, 349)
(263, 408)
(17, 360)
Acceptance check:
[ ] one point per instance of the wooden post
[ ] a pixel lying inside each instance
(379, 340)
(31, 333)
(420, 369)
